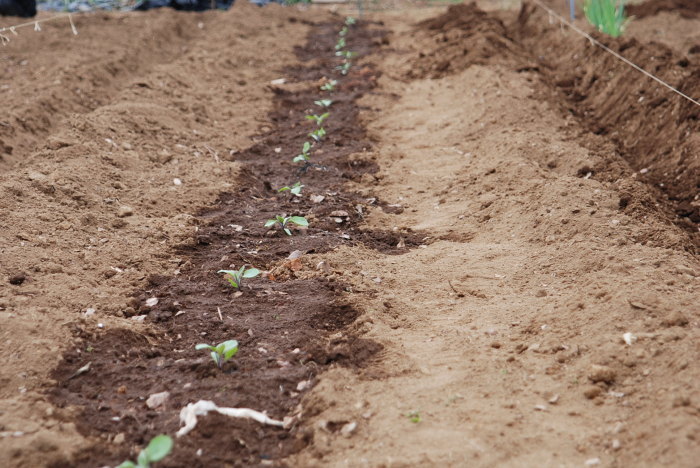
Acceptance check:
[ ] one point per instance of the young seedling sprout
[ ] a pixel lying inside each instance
(330, 86)
(282, 222)
(318, 118)
(222, 352)
(323, 102)
(608, 16)
(294, 189)
(343, 31)
(344, 68)
(235, 277)
(349, 21)
(304, 156)
(318, 134)
(345, 54)
(158, 448)
(340, 44)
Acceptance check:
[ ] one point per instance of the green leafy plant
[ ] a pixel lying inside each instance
(283, 222)
(414, 417)
(318, 134)
(345, 54)
(158, 448)
(304, 156)
(222, 352)
(330, 86)
(343, 31)
(608, 16)
(318, 118)
(295, 189)
(344, 68)
(235, 277)
(323, 102)
(349, 21)
(340, 44)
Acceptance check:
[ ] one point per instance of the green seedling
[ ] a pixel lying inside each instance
(345, 54)
(344, 68)
(283, 222)
(349, 21)
(323, 102)
(235, 277)
(414, 417)
(343, 31)
(158, 448)
(340, 44)
(222, 352)
(295, 189)
(318, 118)
(330, 86)
(318, 134)
(608, 16)
(304, 156)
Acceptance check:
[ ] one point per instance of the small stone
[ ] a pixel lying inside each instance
(340, 214)
(616, 444)
(303, 385)
(177, 181)
(157, 399)
(540, 408)
(89, 312)
(629, 338)
(495, 344)
(324, 267)
(597, 373)
(541, 293)
(348, 429)
(592, 462)
(317, 198)
(294, 255)
(592, 391)
(119, 439)
(125, 211)
(152, 302)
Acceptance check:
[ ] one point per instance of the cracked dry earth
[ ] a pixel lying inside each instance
(484, 244)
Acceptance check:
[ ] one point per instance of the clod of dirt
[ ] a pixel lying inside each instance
(592, 391)
(675, 319)
(125, 211)
(17, 279)
(598, 373)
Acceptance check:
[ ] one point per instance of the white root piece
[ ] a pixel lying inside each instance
(188, 415)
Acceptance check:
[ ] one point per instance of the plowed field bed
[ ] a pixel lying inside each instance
(500, 267)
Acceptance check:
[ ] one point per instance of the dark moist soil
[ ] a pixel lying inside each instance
(654, 130)
(290, 325)
(685, 8)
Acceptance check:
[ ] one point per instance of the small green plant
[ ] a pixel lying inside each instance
(323, 102)
(222, 352)
(345, 54)
(304, 156)
(318, 118)
(608, 16)
(330, 86)
(235, 277)
(318, 134)
(340, 44)
(349, 21)
(295, 189)
(158, 448)
(343, 31)
(344, 68)
(283, 222)
(414, 417)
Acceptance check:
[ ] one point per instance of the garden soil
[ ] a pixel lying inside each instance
(500, 269)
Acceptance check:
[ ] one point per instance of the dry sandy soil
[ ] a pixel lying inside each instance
(497, 205)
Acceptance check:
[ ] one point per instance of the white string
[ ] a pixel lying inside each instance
(34, 23)
(607, 49)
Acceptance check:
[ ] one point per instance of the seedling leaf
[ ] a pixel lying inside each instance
(289, 233)
(203, 346)
(127, 464)
(251, 273)
(299, 220)
(159, 447)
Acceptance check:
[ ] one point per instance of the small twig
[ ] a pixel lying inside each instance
(218, 309)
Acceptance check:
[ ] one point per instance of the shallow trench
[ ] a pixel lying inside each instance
(291, 324)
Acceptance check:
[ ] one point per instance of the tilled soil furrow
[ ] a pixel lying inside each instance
(290, 326)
